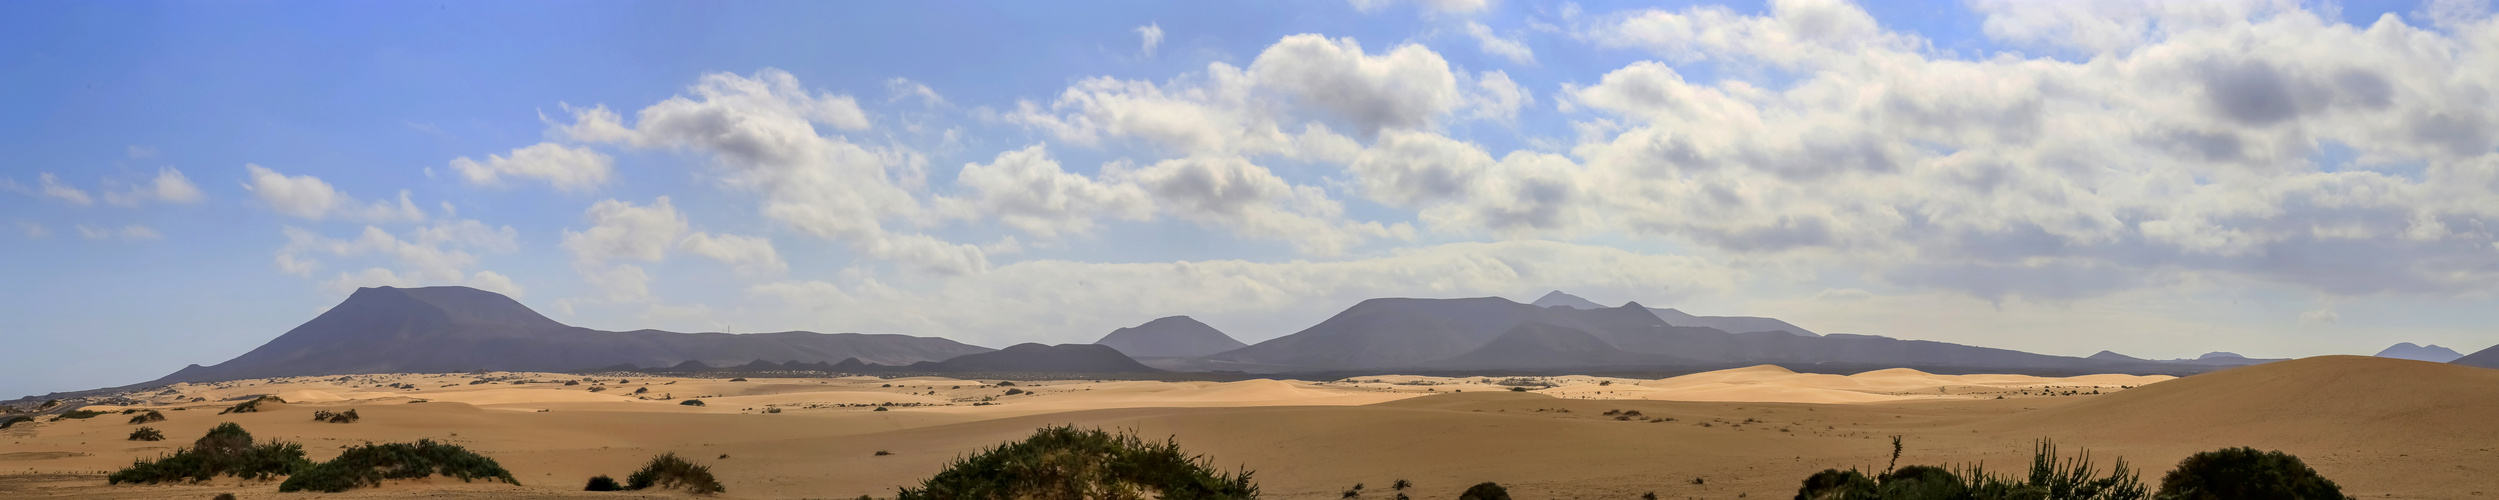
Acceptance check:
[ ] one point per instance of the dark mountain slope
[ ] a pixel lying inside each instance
(1174, 336)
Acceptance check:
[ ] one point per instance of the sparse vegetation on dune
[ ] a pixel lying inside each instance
(344, 417)
(146, 434)
(11, 421)
(252, 406)
(150, 417)
(369, 464)
(667, 471)
(1069, 463)
(1485, 491)
(2235, 473)
(226, 450)
(77, 414)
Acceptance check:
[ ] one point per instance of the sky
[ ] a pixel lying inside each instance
(185, 181)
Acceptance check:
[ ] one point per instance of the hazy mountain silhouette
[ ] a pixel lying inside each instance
(458, 329)
(1174, 336)
(1735, 324)
(1030, 357)
(1460, 333)
(2486, 358)
(2430, 353)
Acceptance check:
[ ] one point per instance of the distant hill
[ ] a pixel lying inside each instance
(2431, 353)
(2486, 358)
(458, 329)
(1029, 357)
(1382, 334)
(1174, 336)
(1732, 324)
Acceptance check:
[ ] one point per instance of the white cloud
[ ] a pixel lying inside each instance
(623, 231)
(761, 131)
(1494, 44)
(905, 88)
(751, 256)
(50, 186)
(1026, 190)
(1153, 37)
(568, 169)
(1496, 97)
(1233, 193)
(34, 231)
(1407, 87)
(308, 197)
(496, 282)
(440, 254)
(168, 186)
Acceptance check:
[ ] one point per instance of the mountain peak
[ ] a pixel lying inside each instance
(1170, 336)
(1557, 298)
(2431, 353)
(2220, 354)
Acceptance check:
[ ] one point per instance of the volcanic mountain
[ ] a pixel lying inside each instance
(1735, 324)
(457, 329)
(2431, 353)
(1174, 336)
(1382, 334)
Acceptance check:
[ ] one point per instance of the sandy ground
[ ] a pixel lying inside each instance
(2383, 428)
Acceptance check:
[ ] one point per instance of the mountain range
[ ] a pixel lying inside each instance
(458, 329)
(2431, 353)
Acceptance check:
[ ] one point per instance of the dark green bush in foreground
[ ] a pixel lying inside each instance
(370, 464)
(78, 414)
(669, 471)
(2244, 473)
(227, 450)
(603, 483)
(1065, 463)
(1485, 491)
(2229, 474)
(150, 416)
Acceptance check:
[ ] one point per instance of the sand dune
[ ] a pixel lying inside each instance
(2383, 428)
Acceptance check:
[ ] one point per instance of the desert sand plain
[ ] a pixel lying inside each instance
(2383, 428)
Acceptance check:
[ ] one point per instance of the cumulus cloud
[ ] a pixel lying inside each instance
(169, 186)
(1233, 193)
(1404, 88)
(1026, 190)
(621, 231)
(568, 169)
(761, 132)
(309, 197)
(750, 256)
(48, 185)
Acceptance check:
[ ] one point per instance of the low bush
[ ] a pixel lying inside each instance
(739, 379)
(2051, 478)
(1515, 389)
(2233, 473)
(1011, 392)
(692, 402)
(150, 417)
(78, 414)
(1066, 462)
(370, 464)
(1485, 491)
(668, 471)
(603, 483)
(344, 417)
(252, 406)
(226, 450)
(6, 422)
(147, 434)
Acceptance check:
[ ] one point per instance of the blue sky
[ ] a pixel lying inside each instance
(188, 180)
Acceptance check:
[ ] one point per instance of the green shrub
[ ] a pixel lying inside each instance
(2244, 473)
(668, 471)
(79, 414)
(603, 483)
(370, 464)
(6, 422)
(1513, 389)
(1067, 463)
(344, 417)
(1485, 491)
(692, 402)
(226, 450)
(149, 417)
(252, 406)
(147, 434)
